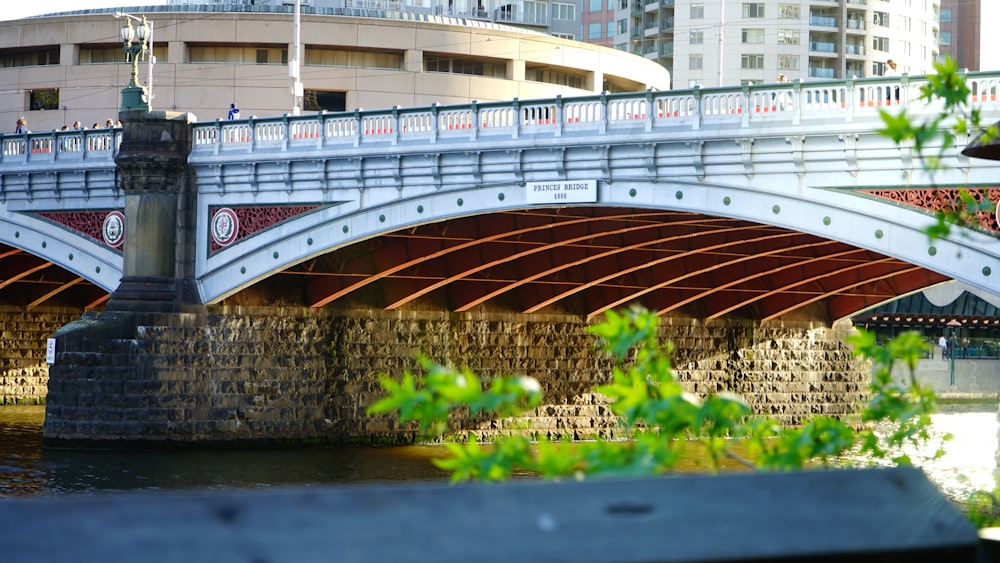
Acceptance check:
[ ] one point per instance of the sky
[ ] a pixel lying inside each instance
(15, 9)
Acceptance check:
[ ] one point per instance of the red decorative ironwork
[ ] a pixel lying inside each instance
(87, 223)
(947, 200)
(253, 220)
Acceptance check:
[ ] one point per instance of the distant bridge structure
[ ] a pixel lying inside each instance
(755, 201)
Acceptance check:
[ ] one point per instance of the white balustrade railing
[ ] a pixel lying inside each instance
(16, 150)
(744, 107)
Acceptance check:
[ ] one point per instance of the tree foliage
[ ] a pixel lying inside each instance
(932, 139)
(662, 422)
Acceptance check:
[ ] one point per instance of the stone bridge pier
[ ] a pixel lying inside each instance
(158, 367)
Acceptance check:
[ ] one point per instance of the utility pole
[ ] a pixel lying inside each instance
(722, 36)
(295, 61)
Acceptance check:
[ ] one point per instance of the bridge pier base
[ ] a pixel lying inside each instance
(286, 376)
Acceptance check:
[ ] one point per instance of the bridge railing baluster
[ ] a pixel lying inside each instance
(14, 147)
(455, 122)
(984, 90)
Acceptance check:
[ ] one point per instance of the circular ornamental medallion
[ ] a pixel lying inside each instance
(225, 226)
(113, 229)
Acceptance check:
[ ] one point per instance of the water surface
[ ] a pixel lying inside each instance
(28, 470)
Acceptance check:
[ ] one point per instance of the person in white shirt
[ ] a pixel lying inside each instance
(890, 70)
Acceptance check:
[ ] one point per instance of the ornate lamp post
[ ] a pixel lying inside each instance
(134, 96)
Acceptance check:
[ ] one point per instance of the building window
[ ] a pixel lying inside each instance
(454, 65)
(611, 29)
(945, 15)
(880, 19)
(43, 99)
(233, 54)
(696, 62)
(788, 62)
(594, 30)
(535, 12)
(697, 11)
(946, 38)
(570, 36)
(751, 62)
(101, 55)
(355, 59)
(697, 38)
(622, 26)
(789, 11)
(319, 100)
(753, 35)
(753, 10)
(39, 57)
(880, 44)
(596, 5)
(789, 37)
(554, 76)
(561, 11)
(111, 55)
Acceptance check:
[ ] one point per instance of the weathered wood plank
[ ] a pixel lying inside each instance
(871, 514)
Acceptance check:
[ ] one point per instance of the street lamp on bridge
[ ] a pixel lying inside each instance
(134, 96)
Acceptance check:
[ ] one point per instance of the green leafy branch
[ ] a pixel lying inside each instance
(955, 119)
(662, 423)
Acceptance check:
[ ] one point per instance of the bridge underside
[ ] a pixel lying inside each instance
(586, 260)
(575, 260)
(29, 282)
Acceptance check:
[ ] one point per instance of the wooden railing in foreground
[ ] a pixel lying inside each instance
(857, 515)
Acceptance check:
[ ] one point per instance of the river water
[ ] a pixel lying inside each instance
(28, 470)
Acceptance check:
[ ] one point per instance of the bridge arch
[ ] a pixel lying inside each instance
(57, 259)
(840, 251)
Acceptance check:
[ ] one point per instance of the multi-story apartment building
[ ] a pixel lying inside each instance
(962, 32)
(728, 42)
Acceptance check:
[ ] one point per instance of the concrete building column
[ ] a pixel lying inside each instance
(152, 169)
(69, 54)
(515, 70)
(413, 60)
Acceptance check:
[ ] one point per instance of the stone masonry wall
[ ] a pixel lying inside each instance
(787, 371)
(296, 376)
(23, 335)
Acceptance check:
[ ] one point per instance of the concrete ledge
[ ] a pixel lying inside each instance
(864, 515)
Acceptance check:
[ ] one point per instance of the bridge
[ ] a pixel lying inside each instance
(755, 201)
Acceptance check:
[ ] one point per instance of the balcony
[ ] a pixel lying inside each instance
(823, 46)
(855, 50)
(820, 72)
(823, 21)
(856, 25)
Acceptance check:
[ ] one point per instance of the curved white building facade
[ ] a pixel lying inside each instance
(69, 67)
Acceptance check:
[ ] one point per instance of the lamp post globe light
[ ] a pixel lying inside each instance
(136, 43)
